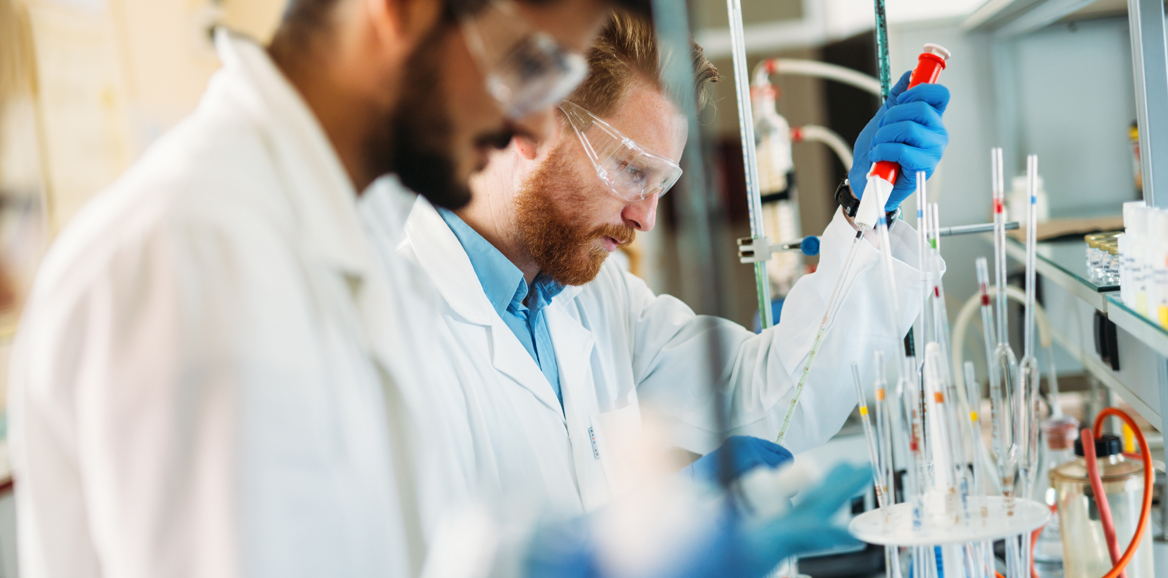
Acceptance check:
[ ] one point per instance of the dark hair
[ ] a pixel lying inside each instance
(304, 20)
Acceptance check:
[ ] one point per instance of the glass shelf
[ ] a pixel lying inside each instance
(1064, 263)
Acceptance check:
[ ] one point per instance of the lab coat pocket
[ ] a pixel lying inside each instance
(616, 442)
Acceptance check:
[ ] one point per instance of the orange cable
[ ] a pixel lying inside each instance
(1149, 476)
(1100, 495)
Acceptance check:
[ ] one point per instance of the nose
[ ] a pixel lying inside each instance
(537, 125)
(641, 215)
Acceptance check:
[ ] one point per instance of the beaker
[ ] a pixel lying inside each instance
(1085, 553)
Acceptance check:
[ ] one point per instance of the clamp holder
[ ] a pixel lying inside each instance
(754, 249)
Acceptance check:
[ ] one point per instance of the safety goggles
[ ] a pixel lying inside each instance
(632, 172)
(526, 69)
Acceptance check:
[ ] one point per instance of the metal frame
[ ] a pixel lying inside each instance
(1150, 64)
(1150, 67)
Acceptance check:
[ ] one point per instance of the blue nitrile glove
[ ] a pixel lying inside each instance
(748, 453)
(906, 130)
(733, 547)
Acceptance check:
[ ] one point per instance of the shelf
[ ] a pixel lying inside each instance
(1065, 263)
(1142, 328)
(1006, 18)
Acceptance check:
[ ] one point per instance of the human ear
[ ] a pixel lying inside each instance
(527, 147)
(402, 24)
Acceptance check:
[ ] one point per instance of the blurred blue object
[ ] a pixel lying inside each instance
(776, 309)
(747, 453)
(810, 245)
(732, 547)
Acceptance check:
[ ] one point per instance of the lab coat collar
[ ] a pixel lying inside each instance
(444, 260)
(502, 281)
(320, 191)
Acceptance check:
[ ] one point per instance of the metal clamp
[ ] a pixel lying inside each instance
(754, 249)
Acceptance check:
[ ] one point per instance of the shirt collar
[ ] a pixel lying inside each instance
(502, 281)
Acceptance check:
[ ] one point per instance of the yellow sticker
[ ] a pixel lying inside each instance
(863, 410)
(1164, 316)
(973, 416)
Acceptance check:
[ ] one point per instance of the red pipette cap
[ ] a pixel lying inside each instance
(930, 63)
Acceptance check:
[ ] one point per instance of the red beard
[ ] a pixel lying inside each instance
(562, 249)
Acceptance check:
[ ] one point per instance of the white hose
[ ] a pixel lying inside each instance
(816, 133)
(815, 68)
(967, 313)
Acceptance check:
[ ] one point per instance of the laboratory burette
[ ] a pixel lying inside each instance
(750, 158)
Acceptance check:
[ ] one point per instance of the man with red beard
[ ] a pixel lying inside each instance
(559, 354)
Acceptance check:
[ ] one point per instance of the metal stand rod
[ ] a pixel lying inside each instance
(749, 158)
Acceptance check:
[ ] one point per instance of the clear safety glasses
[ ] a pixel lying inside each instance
(526, 69)
(630, 170)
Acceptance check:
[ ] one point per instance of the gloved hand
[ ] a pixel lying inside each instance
(806, 527)
(732, 548)
(906, 130)
(748, 453)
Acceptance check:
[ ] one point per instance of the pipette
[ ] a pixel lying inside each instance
(882, 176)
(828, 314)
(940, 310)
(883, 430)
(1028, 380)
(1028, 377)
(870, 434)
(924, 334)
(988, 336)
(986, 562)
(886, 427)
(874, 454)
(881, 180)
(1005, 364)
(911, 406)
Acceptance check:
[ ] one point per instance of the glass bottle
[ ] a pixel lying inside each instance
(1085, 553)
(776, 182)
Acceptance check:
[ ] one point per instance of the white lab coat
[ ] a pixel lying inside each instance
(205, 382)
(621, 349)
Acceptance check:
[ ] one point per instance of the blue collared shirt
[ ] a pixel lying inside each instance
(507, 290)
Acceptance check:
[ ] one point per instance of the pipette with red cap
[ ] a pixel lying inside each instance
(882, 176)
